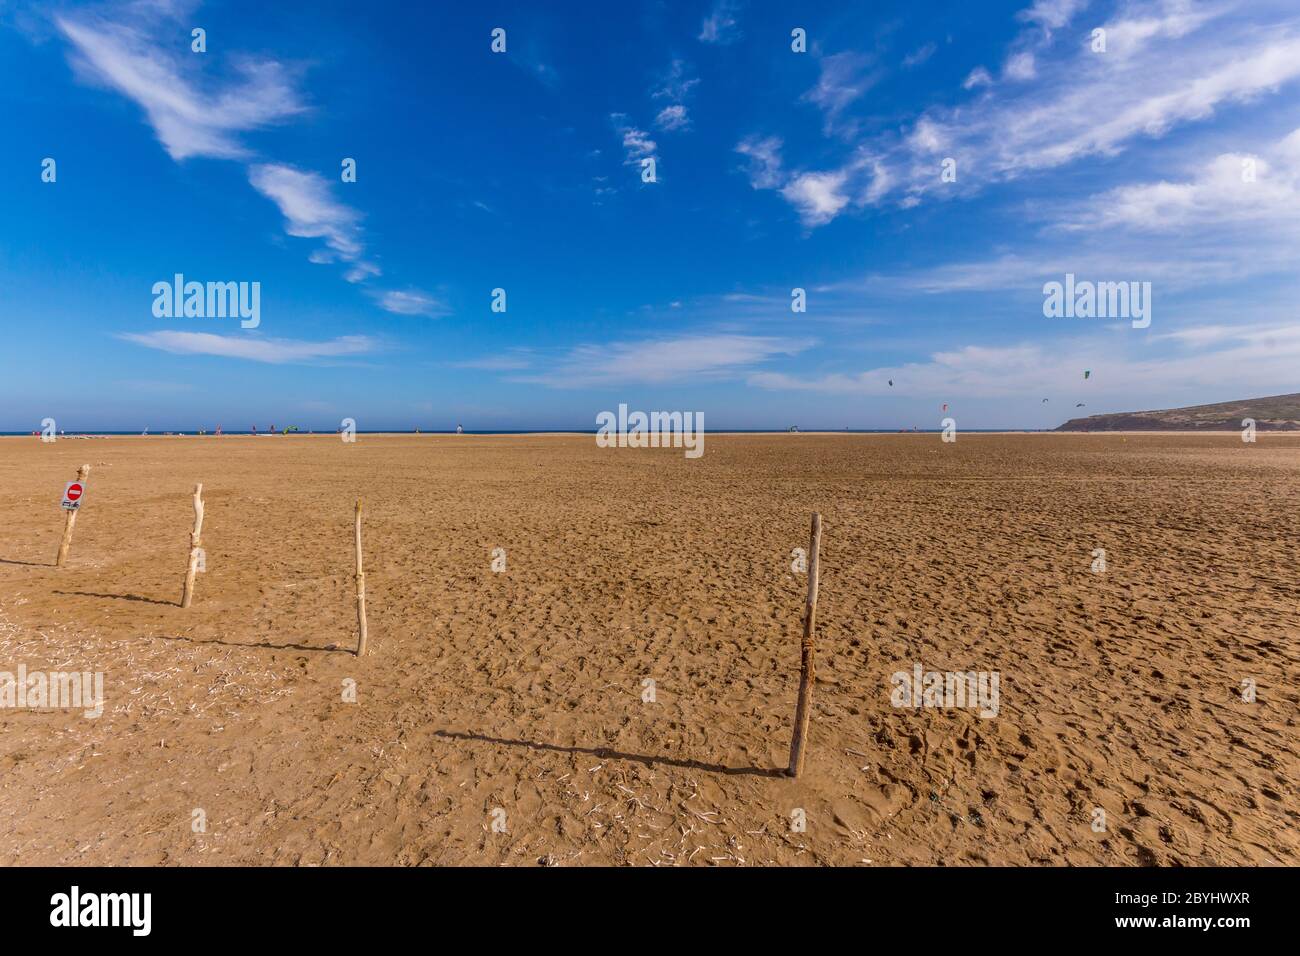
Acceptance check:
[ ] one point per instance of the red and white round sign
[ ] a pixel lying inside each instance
(73, 493)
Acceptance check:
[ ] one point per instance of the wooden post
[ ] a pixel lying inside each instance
(70, 521)
(807, 672)
(188, 595)
(361, 589)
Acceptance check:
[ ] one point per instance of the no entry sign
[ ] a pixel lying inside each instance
(72, 495)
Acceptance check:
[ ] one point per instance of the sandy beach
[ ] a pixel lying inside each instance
(501, 715)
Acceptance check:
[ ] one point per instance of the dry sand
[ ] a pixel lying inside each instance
(522, 690)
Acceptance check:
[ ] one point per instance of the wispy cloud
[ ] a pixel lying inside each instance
(311, 212)
(675, 84)
(1052, 14)
(637, 144)
(764, 161)
(673, 87)
(976, 78)
(252, 348)
(131, 48)
(1213, 220)
(1020, 67)
(918, 56)
(1120, 366)
(1167, 64)
(672, 118)
(411, 302)
(845, 78)
(1261, 188)
(720, 26)
(819, 197)
(657, 361)
(1096, 104)
(189, 116)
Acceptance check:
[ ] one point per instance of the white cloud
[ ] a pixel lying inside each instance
(252, 348)
(195, 115)
(672, 118)
(1096, 104)
(637, 144)
(1130, 35)
(919, 56)
(188, 120)
(411, 302)
(977, 77)
(764, 156)
(1254, 359)
(1020, 66)
(926, 137)
(1176, 266)
(656, 361)
(1071, 104)
(675, 84)
(818, 196)
(844, 78)
(1233, 188)
(1211, 224)
(720, 25)
(311, 212)
(360, 271)
(1052, 14)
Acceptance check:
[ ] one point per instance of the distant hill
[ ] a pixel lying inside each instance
(1278, 413)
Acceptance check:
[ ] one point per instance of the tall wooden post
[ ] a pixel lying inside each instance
(195, 550)
(807, 673)
(70, 521)
(361, 589)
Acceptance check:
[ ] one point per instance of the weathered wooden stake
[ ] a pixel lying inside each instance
(807, 672)
(361, 589)
(82, 473)
(195, 550)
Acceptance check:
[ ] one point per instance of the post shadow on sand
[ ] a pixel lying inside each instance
(610, 754)
(332, 649)
(31, 564)
(119, 597)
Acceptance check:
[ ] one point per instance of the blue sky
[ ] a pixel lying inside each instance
(522, 170)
